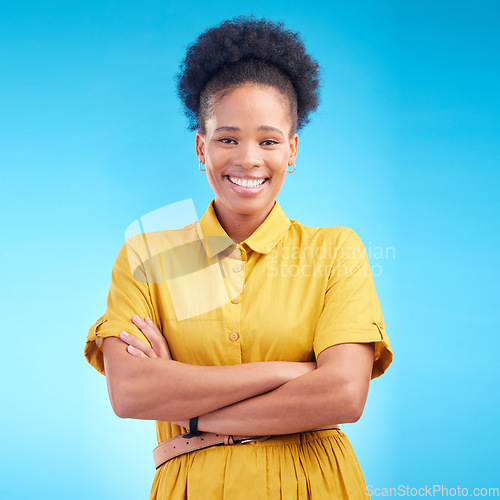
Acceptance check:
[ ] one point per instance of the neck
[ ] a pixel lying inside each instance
(239, 226)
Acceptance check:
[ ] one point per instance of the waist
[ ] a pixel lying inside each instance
(188, 443)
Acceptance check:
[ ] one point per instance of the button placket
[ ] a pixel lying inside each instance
(235, 275)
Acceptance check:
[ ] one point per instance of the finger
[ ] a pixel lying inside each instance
(154, 335)
(150, 322)
(149, 330)
(137, 344)
(158, 341)
(147, 327)
(136, 352)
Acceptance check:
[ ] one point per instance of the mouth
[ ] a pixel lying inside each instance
(249, 183)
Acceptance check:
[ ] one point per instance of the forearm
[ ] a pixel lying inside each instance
(324, 397)
(169, 390)
(294, 407)
(160, 389)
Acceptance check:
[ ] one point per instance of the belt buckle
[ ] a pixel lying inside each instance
(251, 440)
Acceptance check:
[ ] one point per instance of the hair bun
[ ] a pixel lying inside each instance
(241, 38)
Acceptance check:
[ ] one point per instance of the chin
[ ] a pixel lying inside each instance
(250, 206)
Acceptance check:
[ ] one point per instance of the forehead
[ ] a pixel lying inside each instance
(251, 104)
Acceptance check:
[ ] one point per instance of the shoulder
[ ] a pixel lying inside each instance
(145, 245)
(331, 242)
(146, 256)
(313, 235)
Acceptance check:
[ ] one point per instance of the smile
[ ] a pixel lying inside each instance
(248, 183)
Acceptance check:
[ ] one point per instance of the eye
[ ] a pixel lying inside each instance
(226, 140)
(269, 142)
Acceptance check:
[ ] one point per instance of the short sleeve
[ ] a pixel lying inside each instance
(128, 295)
(351, 311)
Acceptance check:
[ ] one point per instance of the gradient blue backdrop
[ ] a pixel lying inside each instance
(401, 149)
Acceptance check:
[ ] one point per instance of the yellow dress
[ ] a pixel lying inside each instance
(286, 293)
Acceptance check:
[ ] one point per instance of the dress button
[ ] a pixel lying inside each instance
(234, 336)
(237, 252)
(235, 301)
(237, 268)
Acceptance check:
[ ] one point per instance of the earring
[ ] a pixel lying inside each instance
(294, 168)
(199, 166)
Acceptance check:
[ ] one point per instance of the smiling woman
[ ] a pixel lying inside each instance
(247, 336)
(247, 147)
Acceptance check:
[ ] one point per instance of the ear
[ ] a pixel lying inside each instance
(294, 146)
(200, 146)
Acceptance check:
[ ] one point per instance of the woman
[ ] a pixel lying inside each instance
(257, 332)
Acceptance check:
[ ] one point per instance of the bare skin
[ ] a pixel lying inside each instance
(335, 392)
(146, 383)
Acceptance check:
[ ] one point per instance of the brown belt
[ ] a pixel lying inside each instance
(185, 443)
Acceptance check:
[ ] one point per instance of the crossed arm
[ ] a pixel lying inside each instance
(275, 397)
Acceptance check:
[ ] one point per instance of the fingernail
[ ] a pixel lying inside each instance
(136, 318)
(124, 334)
(148, 319)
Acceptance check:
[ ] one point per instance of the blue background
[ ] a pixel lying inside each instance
(401, 150)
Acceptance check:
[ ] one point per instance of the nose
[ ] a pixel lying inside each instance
(248, 155)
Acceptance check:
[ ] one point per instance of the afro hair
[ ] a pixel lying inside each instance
(244, 49)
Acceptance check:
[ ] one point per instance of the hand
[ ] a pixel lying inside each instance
(138, 348)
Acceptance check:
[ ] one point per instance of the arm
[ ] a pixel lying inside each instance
(334, 393)
(158, 388)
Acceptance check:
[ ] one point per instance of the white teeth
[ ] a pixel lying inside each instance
(246, 182)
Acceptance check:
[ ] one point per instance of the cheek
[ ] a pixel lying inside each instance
(280, 180)
(211, 178)
(280, 168)
(279, 160)
(214, 179)
(216, 160)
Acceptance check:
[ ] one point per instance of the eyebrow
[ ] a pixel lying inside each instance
(267, 128)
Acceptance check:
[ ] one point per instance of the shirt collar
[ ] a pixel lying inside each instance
(263, 240)
(270, 232)
(216, 240)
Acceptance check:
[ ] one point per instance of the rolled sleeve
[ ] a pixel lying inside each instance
(351, 311)
(128, 295)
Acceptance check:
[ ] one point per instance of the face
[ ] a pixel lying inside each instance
(247, 149)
